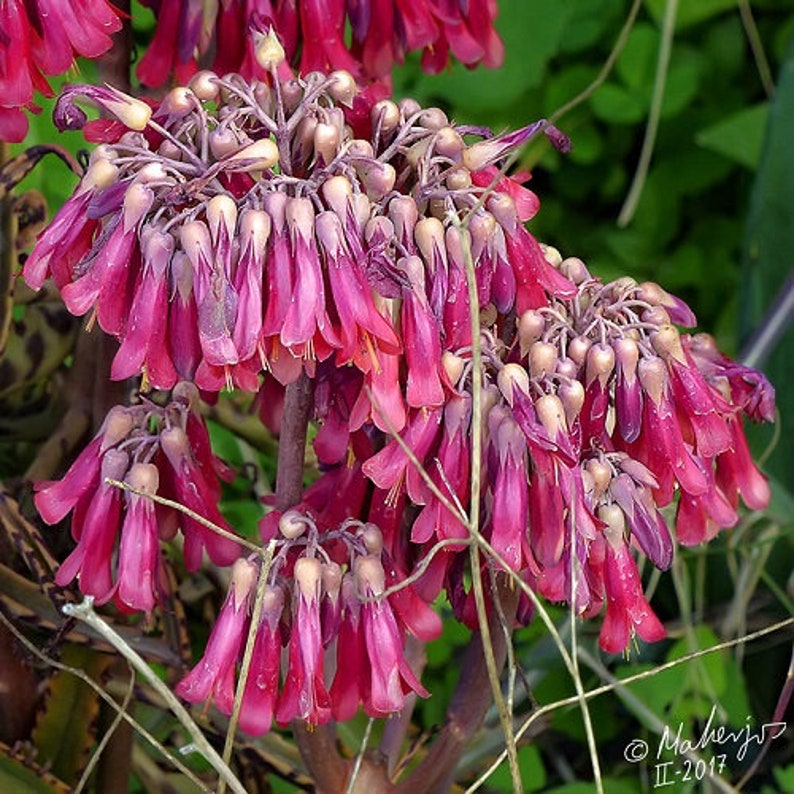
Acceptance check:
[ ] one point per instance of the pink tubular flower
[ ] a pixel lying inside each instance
(156, 450)
(213, 676)
(261, 688)
(313, 34)
(91, 559)
(139, 550)
(628, 611)
(40, 38)
(304, 695)
(391, 677)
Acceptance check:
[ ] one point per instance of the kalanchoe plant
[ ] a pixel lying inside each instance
(245, 233)
(363, 265)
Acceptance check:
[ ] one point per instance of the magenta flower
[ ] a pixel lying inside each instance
(261, 688)
(213, 676)
(313, 34)
(138, 586)
(391, 676)
(155, 450)
(628, 612)
(40, 38)
(96, 534)
(305, 695)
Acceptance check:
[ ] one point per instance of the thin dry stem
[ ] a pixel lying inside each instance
(84, 611)
(100, 692)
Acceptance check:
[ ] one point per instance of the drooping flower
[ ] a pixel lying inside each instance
(43, 37)
(214, 675)
(155, 450)
(314, 36)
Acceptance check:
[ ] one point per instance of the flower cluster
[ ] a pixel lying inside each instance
(43, 37)
(313, 33)
(243, 227)
(596, 412)
(325, 600)
(246, 233)
(154, 450)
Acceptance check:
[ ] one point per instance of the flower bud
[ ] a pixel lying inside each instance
(222, 141)
(572, 394)
(578, 348)
(117, 426)
(342, 87)
(551, 413)
(453, 365)
(542, 359)
(204, 85)
(575, 270)
(530, 325)
(244, 576)
(386, 115)
(369, 574)
(667, 343)
(459, 179)
(143, 477)
(653, 377)
(221, 209)
(448, 143)
(257, 156)
(601, 474)
(292, 524)
(372, 538)
(268, 51)
(326, 141)
(308, 574)
(377, 178)
(600, 363)
(551, 255)
(512, 376)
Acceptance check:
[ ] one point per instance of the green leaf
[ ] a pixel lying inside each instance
(739, 137)
(530, 765)
(767, 260)
(616, 104)
(70, 702)
(27, 778)
(690, 12)
(709, 669)
(636, 65)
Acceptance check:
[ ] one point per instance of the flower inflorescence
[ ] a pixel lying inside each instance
(248, 233)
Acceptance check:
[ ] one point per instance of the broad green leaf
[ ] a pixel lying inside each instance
(690, 12)
(767, 259)
(739, 136)
(70, 702)
(709, 669)
(27, 778)
(637, 63)
(616, 104)
(530, 764)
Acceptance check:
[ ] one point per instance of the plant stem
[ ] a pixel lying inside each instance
(469, 704)
(317, 746)
(292, 442)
